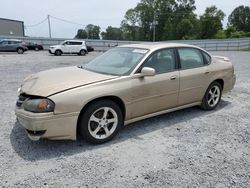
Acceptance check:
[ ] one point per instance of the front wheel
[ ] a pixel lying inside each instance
(58, 52)
(100, 122)
(212, 96)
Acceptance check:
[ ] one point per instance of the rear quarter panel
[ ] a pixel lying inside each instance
(223, 70)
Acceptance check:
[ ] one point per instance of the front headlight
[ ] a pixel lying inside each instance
(39, 105)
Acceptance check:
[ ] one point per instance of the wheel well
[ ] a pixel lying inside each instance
(221, 82)
(19, 48)
(84, 50)
(58, 50)
(115, 99)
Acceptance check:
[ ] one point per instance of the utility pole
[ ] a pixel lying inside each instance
(154, 25)
(49, 26)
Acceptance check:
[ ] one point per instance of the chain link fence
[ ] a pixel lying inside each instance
(104, 45)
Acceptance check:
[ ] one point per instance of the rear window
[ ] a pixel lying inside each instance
(207, 58)
(75, 43)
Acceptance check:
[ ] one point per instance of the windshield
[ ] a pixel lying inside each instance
(117, 61)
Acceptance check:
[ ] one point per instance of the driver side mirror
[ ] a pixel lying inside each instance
(147, 71)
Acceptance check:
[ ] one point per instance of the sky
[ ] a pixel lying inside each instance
(98, 12)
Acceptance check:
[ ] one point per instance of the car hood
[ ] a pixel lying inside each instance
(52, 81)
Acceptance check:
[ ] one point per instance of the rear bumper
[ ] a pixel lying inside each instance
(48, 125)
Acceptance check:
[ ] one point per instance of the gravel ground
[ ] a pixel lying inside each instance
(188, 148)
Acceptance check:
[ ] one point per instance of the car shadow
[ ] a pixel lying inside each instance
(12, 53)
(46, 149)
(75, 55)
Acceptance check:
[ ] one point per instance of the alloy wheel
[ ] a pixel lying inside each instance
(213, 96)
(102, 123)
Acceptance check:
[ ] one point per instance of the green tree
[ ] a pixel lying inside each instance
(230, 31)
(112, 33)
(129, 25)
(240, 18)
(81, 34)
(211, 22)
(221, 34)
(93, 31)
(172, 19)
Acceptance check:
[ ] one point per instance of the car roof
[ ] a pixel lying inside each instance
(157, 45)
(75, 40)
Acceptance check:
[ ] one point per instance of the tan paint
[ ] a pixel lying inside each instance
(72, 88)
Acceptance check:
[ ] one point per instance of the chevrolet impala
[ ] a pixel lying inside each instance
(126, 84)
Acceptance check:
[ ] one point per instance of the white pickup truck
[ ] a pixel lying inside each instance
(69, 47)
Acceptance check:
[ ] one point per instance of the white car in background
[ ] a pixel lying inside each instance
(69, 47)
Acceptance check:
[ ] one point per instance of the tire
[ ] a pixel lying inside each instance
(82, 53)
(100, 122)
(36, 49)
(20, 51)
(58, 52)
(212, 96)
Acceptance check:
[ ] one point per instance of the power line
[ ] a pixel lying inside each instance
(67, 21)
(71, 22)
(34, 25)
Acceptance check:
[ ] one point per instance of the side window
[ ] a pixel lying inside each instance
(4, 42)
(162, 61)
(190, 58)
(75, 43)
(67, 43)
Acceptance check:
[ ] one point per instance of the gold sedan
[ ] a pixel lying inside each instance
(126, 84)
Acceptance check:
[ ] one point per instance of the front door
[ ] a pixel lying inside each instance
(159, 92)
(4, 46)
(66, 47)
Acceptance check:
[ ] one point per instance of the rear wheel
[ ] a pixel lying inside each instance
(58, 52)
(36, 49)
(20, 51)
(212, 97)
(100, 122)
(82, 52)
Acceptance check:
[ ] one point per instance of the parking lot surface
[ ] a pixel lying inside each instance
(187, 148)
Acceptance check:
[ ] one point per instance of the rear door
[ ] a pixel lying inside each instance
(194, 75)
(12, 45)
(76, 47)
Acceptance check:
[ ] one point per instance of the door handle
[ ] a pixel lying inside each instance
(173, 77)
(207, 72)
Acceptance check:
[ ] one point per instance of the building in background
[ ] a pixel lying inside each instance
(11, 27)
